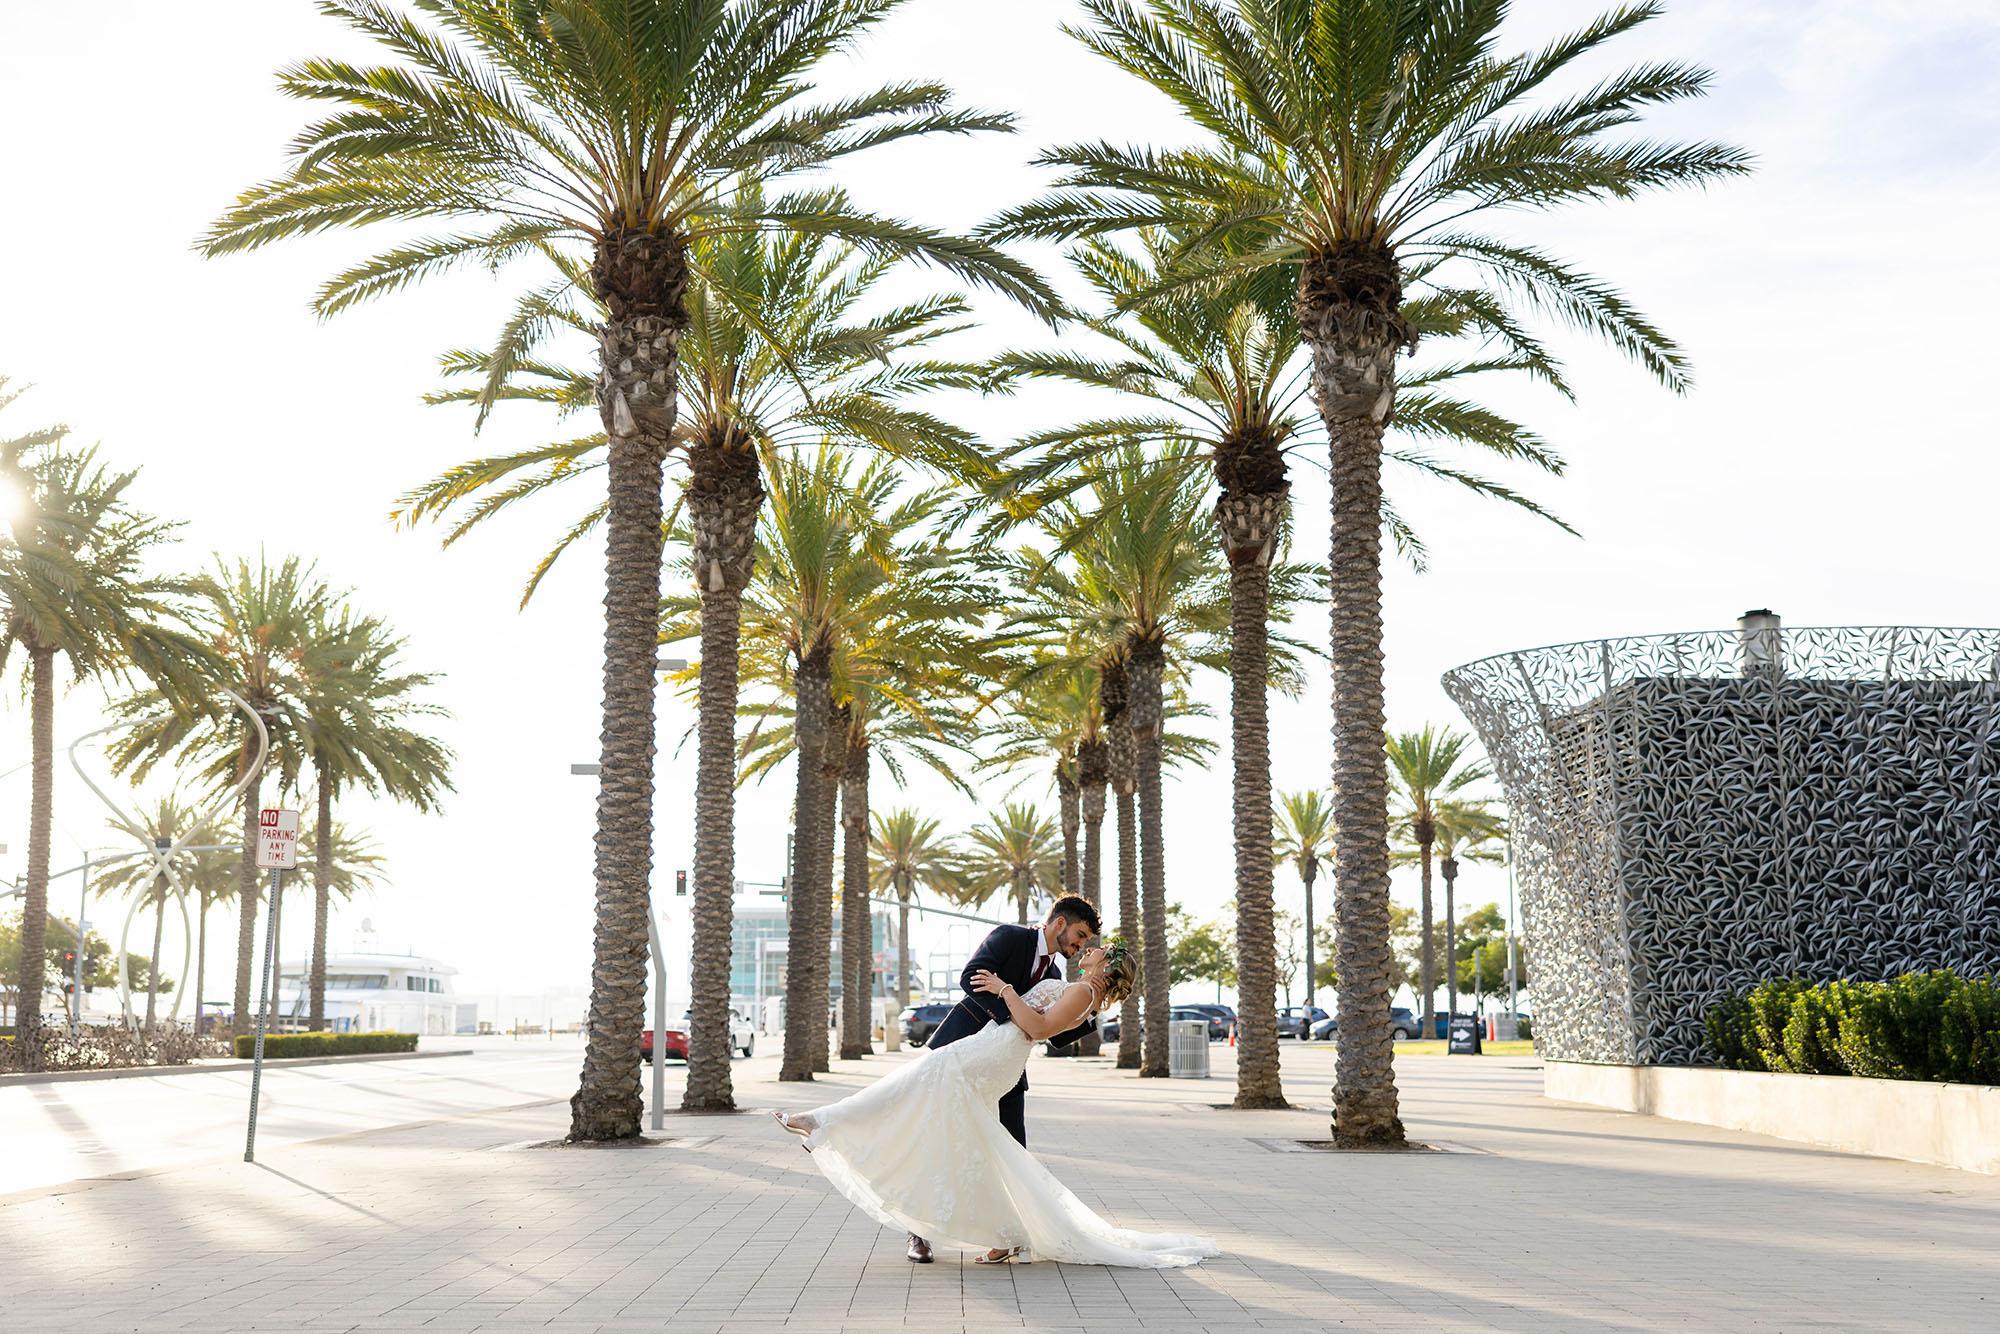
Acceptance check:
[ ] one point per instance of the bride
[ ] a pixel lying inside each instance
(923, 1149)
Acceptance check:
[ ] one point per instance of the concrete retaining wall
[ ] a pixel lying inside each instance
(1955, 1125)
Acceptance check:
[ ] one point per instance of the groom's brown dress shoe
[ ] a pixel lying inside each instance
(920, 1250)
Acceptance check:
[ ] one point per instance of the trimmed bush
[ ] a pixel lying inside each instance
(278, 1045)
(1934, 1026)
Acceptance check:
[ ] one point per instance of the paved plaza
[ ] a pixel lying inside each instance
(1536, 1217)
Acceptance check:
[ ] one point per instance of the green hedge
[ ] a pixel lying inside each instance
(323, 1044)
(1933, 1026)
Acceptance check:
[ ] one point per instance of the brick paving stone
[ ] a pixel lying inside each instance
(1559, 1218)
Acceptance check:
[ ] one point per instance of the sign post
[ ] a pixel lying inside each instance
(277, 852)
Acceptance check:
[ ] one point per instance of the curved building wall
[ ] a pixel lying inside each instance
(1695, 813)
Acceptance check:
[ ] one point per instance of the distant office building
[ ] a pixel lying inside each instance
(759, 951)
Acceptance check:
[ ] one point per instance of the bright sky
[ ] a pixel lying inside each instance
(1812, 470)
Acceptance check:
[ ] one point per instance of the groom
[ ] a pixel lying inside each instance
(1022, 956)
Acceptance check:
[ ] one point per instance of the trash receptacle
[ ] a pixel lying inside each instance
(1187, 1049)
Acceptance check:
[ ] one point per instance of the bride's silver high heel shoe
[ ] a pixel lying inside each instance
(1012, 1255)
(790, 1122)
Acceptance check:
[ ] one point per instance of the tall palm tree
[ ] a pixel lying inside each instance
(74, 585)
(902, 665)
(776, 355)
(1426, 769)
(907, 854)
(1361, 141)
(834, 544)
(1122, 775)
(622, 128)
(1047, 713)
(363, 718)
(261, 624)
(1138, 580)
(1217, 373)
(1468, 829)
(1016, 854)
(1305, 839)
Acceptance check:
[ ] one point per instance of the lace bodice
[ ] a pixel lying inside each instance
(1043, 994)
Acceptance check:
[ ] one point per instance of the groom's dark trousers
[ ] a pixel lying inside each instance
(1009, 953)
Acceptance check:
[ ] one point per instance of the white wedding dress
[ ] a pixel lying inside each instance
(923, 1150)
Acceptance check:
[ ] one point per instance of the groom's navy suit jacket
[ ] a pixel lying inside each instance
(1009, 953)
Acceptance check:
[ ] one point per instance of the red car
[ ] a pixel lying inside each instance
(675, 1045)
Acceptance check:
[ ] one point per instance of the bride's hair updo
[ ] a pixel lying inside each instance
(1121, 973)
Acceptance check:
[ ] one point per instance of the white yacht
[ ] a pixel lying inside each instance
(371, 991)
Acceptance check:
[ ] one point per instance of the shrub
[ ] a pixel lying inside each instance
(1527, 1029)
(110, 1046)
(1931, 1026)
(278, 1045)
(1811, 1039)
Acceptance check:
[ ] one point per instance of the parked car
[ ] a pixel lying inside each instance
(1403, 1025)
(1296, 1021)
(920, 1021)
(1218, 1027)
(1107, 1028)
(674, 1044)
(1226, 1013)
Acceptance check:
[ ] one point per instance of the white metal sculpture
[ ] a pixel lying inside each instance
(1695, 813)
(163, 858)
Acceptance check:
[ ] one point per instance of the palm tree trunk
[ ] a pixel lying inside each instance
(41, 826)
(1069, 800)
(1426, 962)
(247, 896)
(812, 692)
(1249, 522)
(1124, 782)
(1350, 317)
(642, 279)
(833, 763)
(1093, 773)
(153, 961)
(1450, 941)
(1091, 762)
(724, 494)
(1145, 711)
(1312, 966)
(857, 945)
(322, 901)
(903, 894)
(1024, 886)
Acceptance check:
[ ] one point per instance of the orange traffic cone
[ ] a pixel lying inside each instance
(1232, 1035)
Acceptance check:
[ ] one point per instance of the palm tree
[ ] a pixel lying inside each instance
(74, 584)
(1016, 853)
(903, 661)
(1138, 581)
(1217, 373)
(362, 717)
(825, 616)
(775, 356)
(1359, 141)
(261, 625)
(145, 879)
(1305, 839)
(1048, 714)
(1426, 769)
(907, 854)
(624, 128)
(1471, 830)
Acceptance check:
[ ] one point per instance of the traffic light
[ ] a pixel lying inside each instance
(681, 883)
